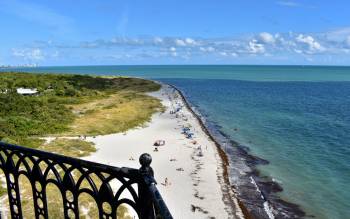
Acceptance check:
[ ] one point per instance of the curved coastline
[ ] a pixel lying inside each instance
(256, 194)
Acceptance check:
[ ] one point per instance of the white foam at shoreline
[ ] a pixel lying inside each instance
(267, 207)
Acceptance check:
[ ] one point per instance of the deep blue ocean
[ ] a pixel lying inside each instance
(296, 117)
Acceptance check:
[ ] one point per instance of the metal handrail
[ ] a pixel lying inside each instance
(36, 165)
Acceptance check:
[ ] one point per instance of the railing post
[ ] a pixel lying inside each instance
(145, 197)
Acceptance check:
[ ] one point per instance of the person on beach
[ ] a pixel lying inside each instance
(159, 143)
(166, 182)
(200, 153)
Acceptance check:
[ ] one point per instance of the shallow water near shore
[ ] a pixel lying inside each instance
(300, 127)
(297, 118)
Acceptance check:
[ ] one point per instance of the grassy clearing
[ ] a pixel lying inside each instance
(116, 113)
(69, 147)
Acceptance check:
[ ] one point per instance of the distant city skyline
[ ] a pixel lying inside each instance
(270, 32)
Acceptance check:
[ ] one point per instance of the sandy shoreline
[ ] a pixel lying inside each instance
(195, 177)
(241, 181)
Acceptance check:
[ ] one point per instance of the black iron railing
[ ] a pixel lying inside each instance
(68, 174)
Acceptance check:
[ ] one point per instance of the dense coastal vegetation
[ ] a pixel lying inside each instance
(63, 100)
(70, 105)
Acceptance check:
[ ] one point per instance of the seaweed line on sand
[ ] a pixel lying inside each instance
(236, 197)
(229, 198)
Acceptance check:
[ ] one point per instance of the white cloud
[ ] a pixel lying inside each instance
(265, 37)
(174, 54)
(36, 54)
(158, 40)
(288, 3)
(55, 54)
(310, 42)
(298, 51)
(348, 41)
(207, 49)
(274, 45)
(191, 42)
(180, 42)
(338, 35)
(186, 42)
(255, 47)
(29, 54)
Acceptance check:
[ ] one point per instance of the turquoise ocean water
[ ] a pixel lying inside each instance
(296, 117)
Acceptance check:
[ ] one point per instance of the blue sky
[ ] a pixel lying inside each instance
(118, 32)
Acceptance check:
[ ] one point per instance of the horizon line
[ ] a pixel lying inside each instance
(87, 65)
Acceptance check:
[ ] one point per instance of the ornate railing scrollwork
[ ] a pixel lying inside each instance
(74, 177)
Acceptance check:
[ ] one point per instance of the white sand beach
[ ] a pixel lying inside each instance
(193, 189)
